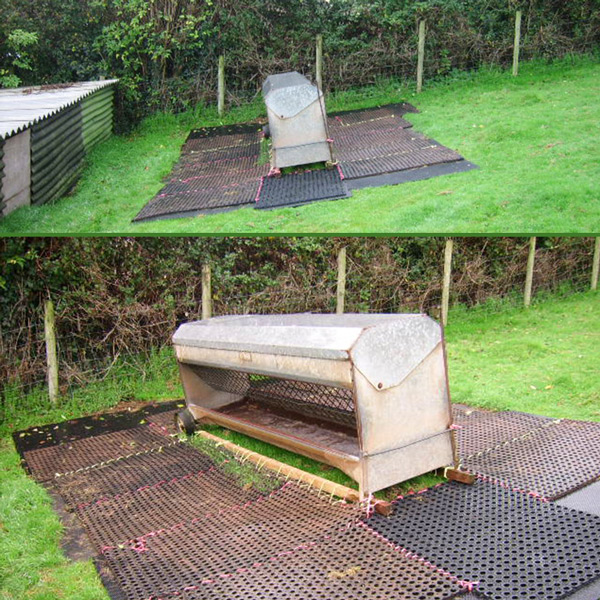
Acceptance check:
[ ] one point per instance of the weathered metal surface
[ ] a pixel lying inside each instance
(317, 370)
(97, 117)
(387, 373)
(57, 154)
(388, 353)
(15, 185)
(297, 121)
(317, 442)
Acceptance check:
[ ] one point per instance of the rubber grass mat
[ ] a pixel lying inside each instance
(513, 546)
(294, 189)
(171, 521)
(484, 431)
(84, 454)
(551, 461)
(280, 539)
(44, 436)
(223, 168)
(168, 520)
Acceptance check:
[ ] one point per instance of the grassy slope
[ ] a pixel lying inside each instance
(534, 137)
(541, 360)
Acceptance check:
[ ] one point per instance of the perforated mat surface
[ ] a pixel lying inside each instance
(551, 461)
(294, 189)
(351, 564)
(483, 432)
(44, 436)
(514, 545)
(225, 168)
(85, 453)
(169, 521)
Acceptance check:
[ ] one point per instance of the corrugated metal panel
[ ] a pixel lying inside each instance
(97, 117)
(57, 153)
(23, 107)
(2, 203)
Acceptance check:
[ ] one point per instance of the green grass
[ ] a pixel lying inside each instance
(501, 356)
(543, 360)
(534, 137)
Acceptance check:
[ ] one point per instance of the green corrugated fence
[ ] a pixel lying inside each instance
(60, 143)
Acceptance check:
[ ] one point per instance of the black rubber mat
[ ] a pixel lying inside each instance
(46, 464)
(219, 130)
(76, 429)
(218, 546)
(352, 564)
(137, 473)
(550, 462)
(221, 168)
(132, 519)
(513, 545)
(299, 188)
(170, 522)
(410, 150)
(484, 432)
(359, 115)
(461, 412)
(408, 175)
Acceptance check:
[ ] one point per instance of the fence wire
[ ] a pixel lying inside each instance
(483, 270)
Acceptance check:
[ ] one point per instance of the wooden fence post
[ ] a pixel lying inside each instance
(446, 285)
(341, 282)
(421, 56)
(221, 86)
(319, 61)
(517, 45)
(206, 292)
(596, 264)
(51, 354)
(529, 277)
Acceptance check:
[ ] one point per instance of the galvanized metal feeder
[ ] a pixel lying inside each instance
(365, 393)
(297, 121)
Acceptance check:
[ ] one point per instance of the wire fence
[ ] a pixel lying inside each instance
(485, 271)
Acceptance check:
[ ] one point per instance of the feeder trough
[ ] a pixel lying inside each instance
(297, 121)
(367, 394)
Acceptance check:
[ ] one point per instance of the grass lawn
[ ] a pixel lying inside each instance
(535, 138)
(541, 360)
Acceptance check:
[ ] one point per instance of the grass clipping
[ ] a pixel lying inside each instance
(247, 475)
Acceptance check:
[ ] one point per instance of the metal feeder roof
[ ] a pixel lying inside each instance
(288, 94)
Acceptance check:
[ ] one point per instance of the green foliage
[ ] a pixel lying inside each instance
(540, 360)
(15, 56)
(153, 47)
(165, 51)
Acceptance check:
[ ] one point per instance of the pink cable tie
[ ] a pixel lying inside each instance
(260, 187)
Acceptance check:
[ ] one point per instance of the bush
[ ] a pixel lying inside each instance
(165, 52)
